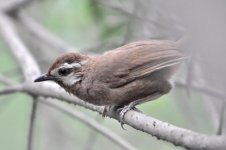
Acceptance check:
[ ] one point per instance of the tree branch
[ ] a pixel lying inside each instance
(26, 62)
(13, 5)
(161, 130)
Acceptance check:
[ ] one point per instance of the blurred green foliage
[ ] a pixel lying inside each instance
(77, 20)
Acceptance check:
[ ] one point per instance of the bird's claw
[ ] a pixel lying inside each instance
(123, 111)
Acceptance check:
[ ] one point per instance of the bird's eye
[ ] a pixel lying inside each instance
(64, 71)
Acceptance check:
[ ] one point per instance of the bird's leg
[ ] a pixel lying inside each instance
(105, 111)
(114, 109)
(109, 109)
(132, 105)
(122, 110)
(161, 91)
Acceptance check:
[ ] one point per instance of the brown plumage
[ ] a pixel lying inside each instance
(129, 75)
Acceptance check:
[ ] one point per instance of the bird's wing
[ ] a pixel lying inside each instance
(135, 60)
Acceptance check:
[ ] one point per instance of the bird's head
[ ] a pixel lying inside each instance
(66, 70)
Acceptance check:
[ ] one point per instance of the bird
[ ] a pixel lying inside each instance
(121, 78)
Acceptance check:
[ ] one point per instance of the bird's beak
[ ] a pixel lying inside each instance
(45, 77)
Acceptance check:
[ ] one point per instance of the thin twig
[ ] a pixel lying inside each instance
(11, 89)
(92, 137)
(221, 118)
(201, 89)
(131, 14)
(90, 122)
(5, 80)
(32, 122)
(212, 93)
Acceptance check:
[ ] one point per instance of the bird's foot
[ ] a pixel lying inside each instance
(115, 110)
(119, 110)
(108, 110)
(124, 110)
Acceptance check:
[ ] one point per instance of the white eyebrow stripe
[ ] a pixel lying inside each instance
(66, 65)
